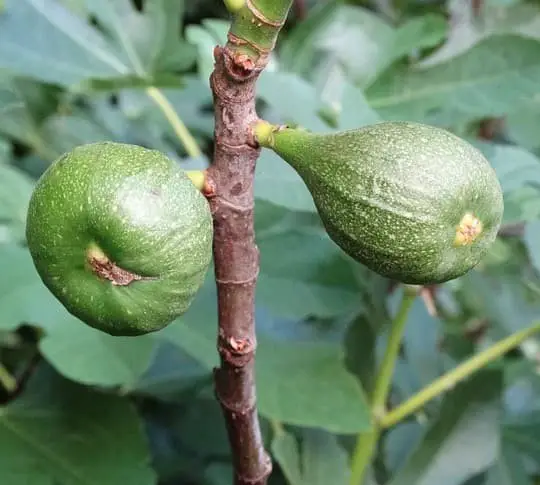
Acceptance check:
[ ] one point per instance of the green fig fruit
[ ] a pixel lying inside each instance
(412, 202)
(121, 236)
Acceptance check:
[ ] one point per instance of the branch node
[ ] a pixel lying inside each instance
(210, 187)
(237, 358)
(235, 148)
(263, 19)
(240, 346)
(260, 479)
(247, 282)
(240, 66)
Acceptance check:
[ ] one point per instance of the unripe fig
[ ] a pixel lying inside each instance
(121, 236)
(412, 202)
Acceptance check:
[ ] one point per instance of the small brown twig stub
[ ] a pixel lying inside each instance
(236, 259)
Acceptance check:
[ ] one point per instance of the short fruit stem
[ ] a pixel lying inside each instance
(197, 177)
(263, 132)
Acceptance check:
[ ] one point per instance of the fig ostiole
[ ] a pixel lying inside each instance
(121, 236)
(410, 201)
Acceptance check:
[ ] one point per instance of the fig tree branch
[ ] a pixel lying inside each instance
(238, 64)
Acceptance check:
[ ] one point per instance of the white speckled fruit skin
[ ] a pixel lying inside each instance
(392, 194)
(139, 208)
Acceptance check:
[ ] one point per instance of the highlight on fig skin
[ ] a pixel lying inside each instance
(121, 236)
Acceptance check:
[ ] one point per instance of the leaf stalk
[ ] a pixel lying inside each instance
(367, 442)
(461, 372)
(181, 130)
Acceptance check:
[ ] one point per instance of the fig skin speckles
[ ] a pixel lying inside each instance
(121, 236)
(412, 202)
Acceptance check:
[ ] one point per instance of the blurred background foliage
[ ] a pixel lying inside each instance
(80, 407)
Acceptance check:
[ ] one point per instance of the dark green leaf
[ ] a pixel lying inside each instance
(421, 346)
(360, 339)
(522, 433)
(23, 106)
(219, 474)
(487, 80)
(201, 428)
(313, 458)
(60, 47)
(305, 273)
(318, 392)
(286, 453)
(532, 241)
(15, 191)
(355, 109)
(293, 98)
(324, 461)
(5, 151)
(129, 81)
(299, 51)
(171, 373)
(399, 442)
(23, 297)
(467, 30)
(65, 434)
(212, 32)
(466, 432)
(508, 469)
(277, 182)
(418, 33)
(64, 49)
(356, 38)
(298, 382)
(502, 302)
(93, 357)
(516, 167)
(522, 123)
(74, 349)
(148, 39)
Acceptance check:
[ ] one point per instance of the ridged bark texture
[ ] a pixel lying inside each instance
(237, 67)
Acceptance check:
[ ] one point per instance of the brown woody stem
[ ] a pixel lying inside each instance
(236, 257)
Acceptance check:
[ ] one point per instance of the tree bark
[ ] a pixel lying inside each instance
(237, 67)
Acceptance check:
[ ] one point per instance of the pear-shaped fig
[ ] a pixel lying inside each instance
(412, 202)
(121, 236)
